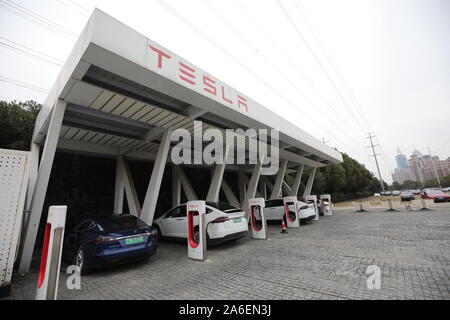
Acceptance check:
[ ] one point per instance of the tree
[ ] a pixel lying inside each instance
(17, 124)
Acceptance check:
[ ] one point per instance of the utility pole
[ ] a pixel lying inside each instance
(325, 141)
(375, 155)
(434, 168)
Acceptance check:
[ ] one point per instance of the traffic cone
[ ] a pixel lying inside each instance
(283, 226)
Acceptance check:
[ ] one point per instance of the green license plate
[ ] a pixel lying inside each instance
(237, 220)
(134, 240)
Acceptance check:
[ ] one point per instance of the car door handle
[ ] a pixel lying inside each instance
(180, 219)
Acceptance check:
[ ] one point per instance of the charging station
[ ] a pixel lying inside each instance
(314, 198)
(196, 230)
(290, 209)
(327, 210)
(51, 254)
(259, 227)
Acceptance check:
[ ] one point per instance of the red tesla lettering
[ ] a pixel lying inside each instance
(160, 56)
(209, 83)
(242, 102)
(185, 70)
(224, 98)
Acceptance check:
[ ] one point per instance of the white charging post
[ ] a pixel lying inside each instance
(327, 211)
(196, 230)
(291, 212)
(314, 198)
(47, 288)
(259, 230)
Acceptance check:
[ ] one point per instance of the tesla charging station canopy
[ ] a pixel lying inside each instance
(120, 95)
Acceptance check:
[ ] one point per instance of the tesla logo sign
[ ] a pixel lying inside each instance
(195, 77)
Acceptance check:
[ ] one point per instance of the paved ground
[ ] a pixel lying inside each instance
(321, 260)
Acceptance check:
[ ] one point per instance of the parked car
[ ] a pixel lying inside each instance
(406, 196)
(446, 189)
(275, 210)
(436, 195)
(377, 195)
(388, 193)
(97, 243)
(396, 193)
(224, 222)
(415, 192)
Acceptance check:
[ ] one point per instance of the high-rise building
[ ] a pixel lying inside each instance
(402, 161)
(416, 166)
(419, 167)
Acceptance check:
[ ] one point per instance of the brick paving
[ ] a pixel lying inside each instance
(327, 259)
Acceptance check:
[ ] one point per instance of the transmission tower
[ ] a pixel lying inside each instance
(375, 155)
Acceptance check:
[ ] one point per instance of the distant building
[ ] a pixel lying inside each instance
(426, 167)
(416, 166)
(402, 161)
(401, 175)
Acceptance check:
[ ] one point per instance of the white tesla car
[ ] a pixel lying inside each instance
(223, 223)
(274, 210)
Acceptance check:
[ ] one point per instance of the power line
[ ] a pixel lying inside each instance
(80, 6)
(291, 62)
(236, 60)
(375, 155)
(322, 67)
(74, 9)
(269, 62)
(40, 56)
(36, 19)
(23, 84)
(33, 50)
(310, 22)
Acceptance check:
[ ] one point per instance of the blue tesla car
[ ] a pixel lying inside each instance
(99, 243)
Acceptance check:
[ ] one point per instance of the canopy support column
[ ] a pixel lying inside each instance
(187, 187)
(217, 177)
(176, 187)
(310, 182)
(41, 184)
(119, 190)
(297, 181)
(279, 180)
(151, 197)
(231, 198)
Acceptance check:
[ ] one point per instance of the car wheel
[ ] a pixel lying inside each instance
(80, 261)
(158, 232)
(196, 236)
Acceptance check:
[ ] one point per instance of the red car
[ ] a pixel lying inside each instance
(436, 195)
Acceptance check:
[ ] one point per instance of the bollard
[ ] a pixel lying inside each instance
(47, 288)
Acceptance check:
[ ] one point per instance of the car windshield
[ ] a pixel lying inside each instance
(222, 206)
(435, 192)
(120, 223)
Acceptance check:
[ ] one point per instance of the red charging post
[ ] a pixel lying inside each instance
(196, 230)
(325, 203)
(47, 288)
(314, 199)
(291, 212)
(258, 218)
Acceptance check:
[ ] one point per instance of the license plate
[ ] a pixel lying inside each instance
(134, 240)
(237, 220)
